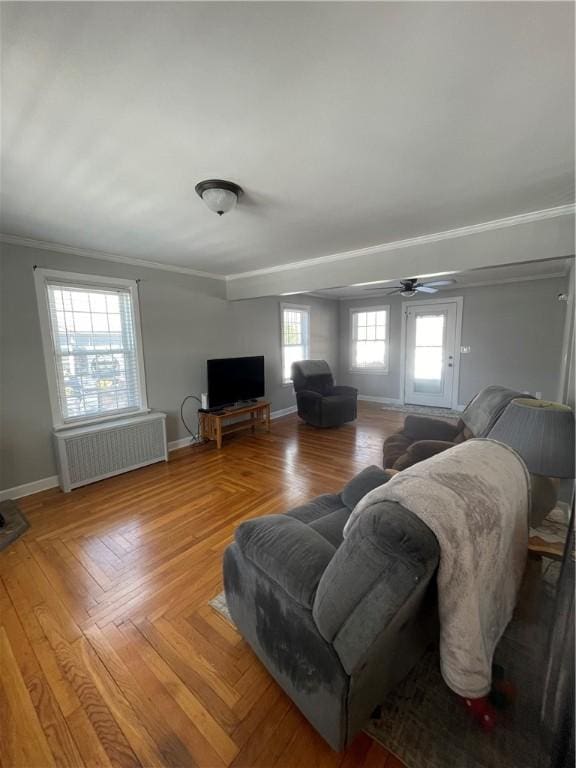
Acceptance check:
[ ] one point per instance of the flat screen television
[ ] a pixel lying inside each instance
(232, 379)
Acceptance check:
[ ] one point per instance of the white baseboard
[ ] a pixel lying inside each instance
(283, 412)
(383, 400)
(184, 442)
(27, 489)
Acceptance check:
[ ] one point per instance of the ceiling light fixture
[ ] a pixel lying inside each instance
(220, 196)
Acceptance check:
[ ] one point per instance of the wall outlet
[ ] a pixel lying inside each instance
(464, 350)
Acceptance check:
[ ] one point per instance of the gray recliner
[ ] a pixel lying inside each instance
(321, 403)
(336, 622)
(422, 437)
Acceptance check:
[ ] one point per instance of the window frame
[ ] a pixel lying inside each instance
(42, 277)
(301, 308)
(386, 367)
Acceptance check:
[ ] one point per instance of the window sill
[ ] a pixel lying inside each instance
(377, 371)
(100, 419)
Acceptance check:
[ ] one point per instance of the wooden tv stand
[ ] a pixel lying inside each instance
(213, 427)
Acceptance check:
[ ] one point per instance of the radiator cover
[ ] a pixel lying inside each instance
(91, 453)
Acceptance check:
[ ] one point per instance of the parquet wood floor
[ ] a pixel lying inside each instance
(109, 652)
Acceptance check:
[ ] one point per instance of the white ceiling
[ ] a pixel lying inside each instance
(513, 273)
(347, 124)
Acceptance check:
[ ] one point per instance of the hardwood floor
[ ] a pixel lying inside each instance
(109, 652)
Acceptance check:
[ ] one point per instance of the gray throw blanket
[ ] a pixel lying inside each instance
(475, 498)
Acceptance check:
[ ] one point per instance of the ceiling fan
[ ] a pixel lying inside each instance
(411, 286)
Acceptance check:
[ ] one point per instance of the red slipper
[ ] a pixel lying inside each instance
(482, 711)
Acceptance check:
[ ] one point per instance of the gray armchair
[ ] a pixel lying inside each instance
(320, 402)
(336, 622)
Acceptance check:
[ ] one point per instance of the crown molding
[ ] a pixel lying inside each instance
(474, 229)
(89, 253)
(435, 237)
(458, 287)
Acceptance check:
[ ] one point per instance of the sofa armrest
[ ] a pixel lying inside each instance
(421, 450)
(388, 554)
(288, 551)
(425, 428)
(343, 389)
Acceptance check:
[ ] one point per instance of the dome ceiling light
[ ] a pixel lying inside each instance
(220, 196)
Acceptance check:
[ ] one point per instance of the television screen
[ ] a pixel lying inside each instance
(235, 378)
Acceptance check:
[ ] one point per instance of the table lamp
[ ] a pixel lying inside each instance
(542, 433)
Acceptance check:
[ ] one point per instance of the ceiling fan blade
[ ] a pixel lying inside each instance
(439, 283)
(396, 290)
(425, 289)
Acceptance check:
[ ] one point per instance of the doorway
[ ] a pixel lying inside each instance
(431, 351)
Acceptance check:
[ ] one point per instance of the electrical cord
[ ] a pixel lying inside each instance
(194, 435)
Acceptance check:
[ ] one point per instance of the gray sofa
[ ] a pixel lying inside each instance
(320, 402)
(336, 622)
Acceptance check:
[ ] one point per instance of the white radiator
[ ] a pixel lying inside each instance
(91, 453)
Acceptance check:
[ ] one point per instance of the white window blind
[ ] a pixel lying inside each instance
(95, 350)
(370, 339)
(295, 337)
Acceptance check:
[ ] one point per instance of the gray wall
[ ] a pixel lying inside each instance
(185, 320)
(514, 331)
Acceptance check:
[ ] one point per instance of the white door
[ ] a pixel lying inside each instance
(431, 330)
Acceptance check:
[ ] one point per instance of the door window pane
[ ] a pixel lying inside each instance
(430, 330)
(428, 369)
(429, 353)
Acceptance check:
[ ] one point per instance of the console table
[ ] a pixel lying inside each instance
(213, 424)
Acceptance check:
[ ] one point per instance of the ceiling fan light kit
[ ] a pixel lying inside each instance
(220, 196)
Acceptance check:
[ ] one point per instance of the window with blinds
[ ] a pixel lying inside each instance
(295, 337)
(95, 363)
(370, 339)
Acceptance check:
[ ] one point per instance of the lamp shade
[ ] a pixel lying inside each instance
(542, 433)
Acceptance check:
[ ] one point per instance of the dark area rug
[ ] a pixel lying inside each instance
(425, 725)
(14, 523)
